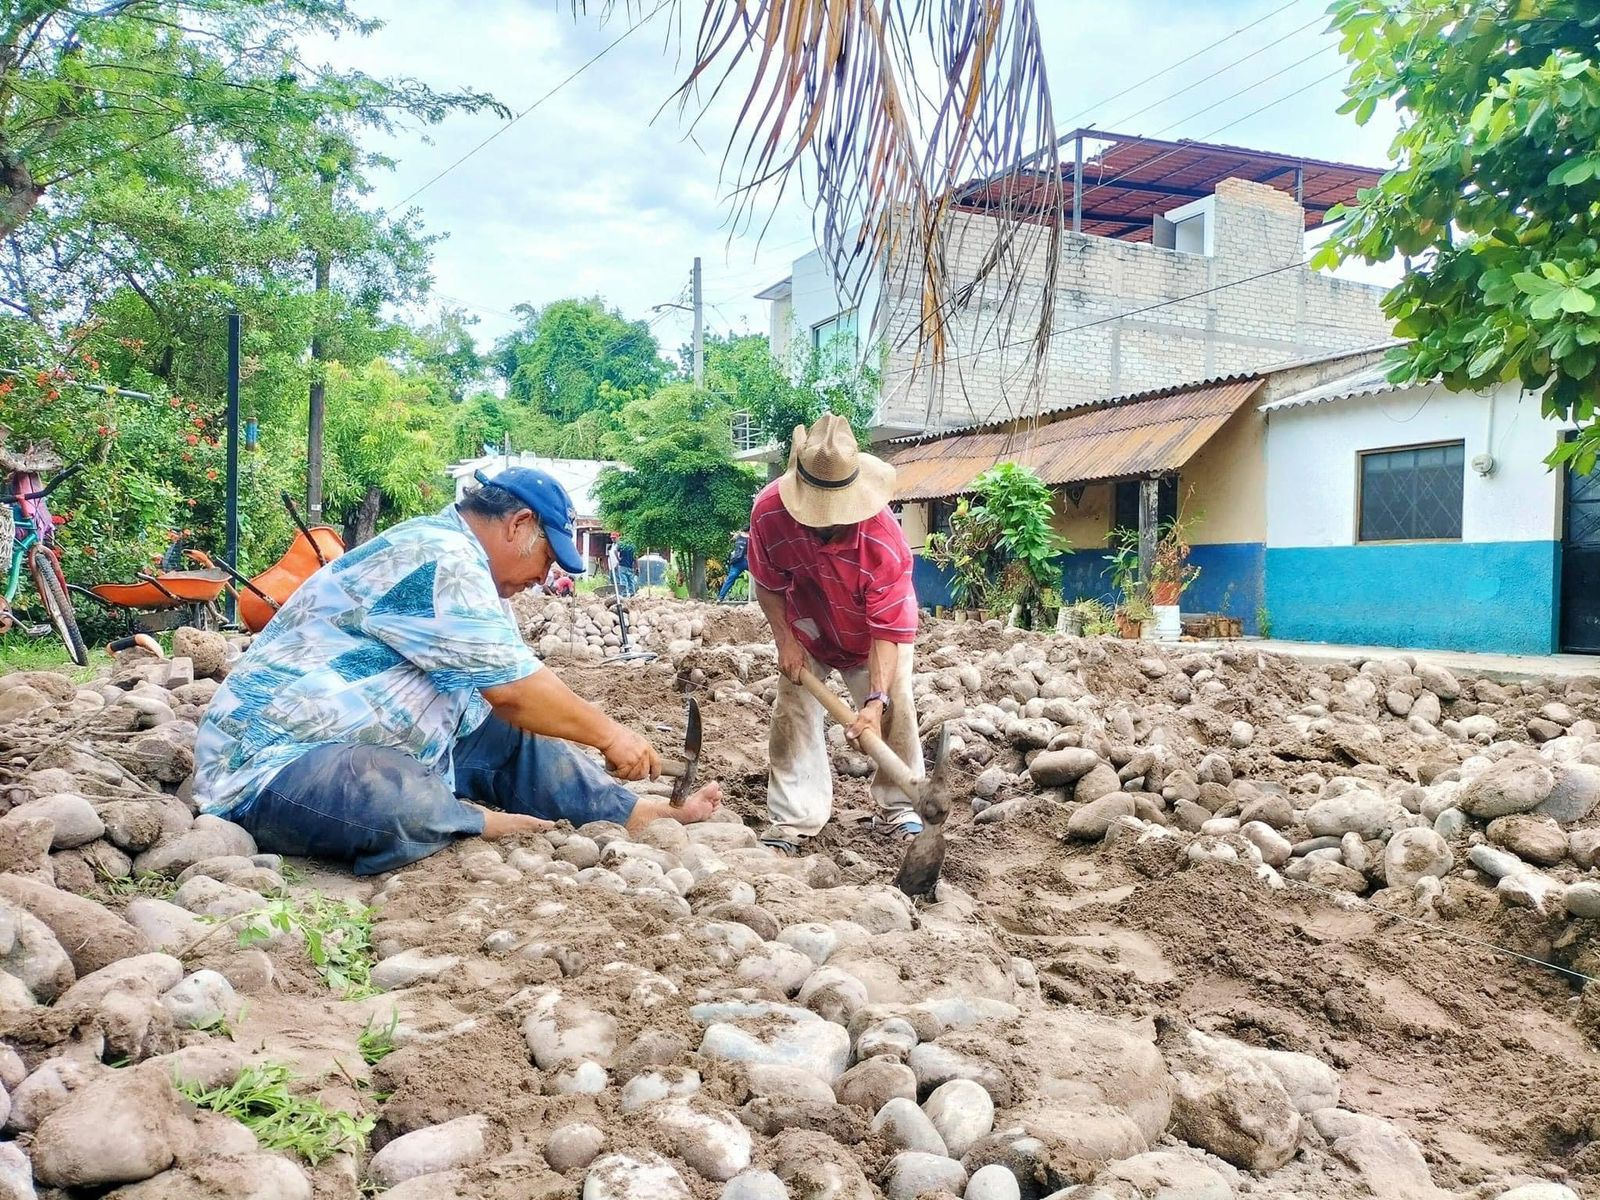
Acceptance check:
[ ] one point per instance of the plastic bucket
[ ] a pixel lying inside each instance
(1168, 628)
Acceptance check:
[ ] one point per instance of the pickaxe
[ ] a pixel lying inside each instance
(929, 794)
(682, 773)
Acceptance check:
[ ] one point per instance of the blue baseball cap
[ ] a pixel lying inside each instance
(541, 492)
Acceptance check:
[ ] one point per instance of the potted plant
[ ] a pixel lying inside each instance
(1017, 504)
(1124, 560)
(1000, 549)
(1171, 572)
(965, 551)
(1134, 614)
(1086, 618)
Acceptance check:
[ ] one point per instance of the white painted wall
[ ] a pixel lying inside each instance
(1312, 462)
(1197, 226)
(780, 325)
(816, 299)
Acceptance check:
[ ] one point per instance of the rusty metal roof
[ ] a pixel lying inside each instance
(1140, 436)
(1129, 180)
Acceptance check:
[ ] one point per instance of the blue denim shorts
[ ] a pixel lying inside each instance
(380, 808)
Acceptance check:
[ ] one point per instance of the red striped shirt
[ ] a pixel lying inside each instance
(842, 595)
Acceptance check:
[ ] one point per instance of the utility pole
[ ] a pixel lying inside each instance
(232, 543)
(318, 395)
(699, 329)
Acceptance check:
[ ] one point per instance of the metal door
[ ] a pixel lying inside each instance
(1580, 565)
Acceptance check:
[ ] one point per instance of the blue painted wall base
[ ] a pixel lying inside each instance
(1231, 582)
(1491, 597)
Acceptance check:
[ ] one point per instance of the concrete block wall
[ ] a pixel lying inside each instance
(1241, 323)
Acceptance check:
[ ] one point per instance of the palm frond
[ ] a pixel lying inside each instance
(890, 110)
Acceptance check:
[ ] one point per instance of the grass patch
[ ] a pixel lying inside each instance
(376, 1042)
(292, 875)
(337, 933)
(146, 884)
(261, 1100)
(19, 652)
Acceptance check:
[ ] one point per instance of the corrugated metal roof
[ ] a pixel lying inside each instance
(1129, 180)
(1260, 372)
(1107, 441)
(1370, 380)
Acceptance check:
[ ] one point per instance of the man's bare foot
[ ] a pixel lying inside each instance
(700, 805)
(498, 824)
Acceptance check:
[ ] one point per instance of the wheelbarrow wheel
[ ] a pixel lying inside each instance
(53, 591)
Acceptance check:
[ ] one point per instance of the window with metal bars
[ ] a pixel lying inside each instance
(1412, 494)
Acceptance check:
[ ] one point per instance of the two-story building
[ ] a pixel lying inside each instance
(1184, 261)
(1197, 362)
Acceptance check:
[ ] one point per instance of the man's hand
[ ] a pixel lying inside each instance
(791, 658)
(869, 718)
(631, 757)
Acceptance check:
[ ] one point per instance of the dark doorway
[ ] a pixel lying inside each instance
(1580, 565)
(1125, 502)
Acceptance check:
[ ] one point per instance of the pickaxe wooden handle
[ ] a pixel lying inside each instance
(893, 769)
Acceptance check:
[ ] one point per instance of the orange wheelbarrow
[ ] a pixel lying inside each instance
(166, 599)
(261, 596)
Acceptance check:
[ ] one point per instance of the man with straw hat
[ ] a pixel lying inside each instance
(832, 572)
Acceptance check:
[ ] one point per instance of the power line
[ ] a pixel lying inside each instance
(607, 49)
(1182, 61)
(1121, 121)
(1168, 69)
(1321, 79)
(1299, 263)
(1132, 312)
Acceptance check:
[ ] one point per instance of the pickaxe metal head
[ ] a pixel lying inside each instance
(683, 774)
(919, 870)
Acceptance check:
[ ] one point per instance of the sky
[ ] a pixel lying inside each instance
(603, 187)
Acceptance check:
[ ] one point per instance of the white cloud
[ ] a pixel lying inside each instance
(594, 192)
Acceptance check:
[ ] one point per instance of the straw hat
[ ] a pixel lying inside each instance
(829, 480)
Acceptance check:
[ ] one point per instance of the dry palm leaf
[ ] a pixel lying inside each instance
(897, 112)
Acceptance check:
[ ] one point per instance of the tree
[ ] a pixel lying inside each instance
(577, 357)
(383, 448)
(190, 164)
(680, 487)
(446, 350)
(191, 125)
(828, 379)
(1495, 201)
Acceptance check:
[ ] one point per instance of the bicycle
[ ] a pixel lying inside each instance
(28, 536)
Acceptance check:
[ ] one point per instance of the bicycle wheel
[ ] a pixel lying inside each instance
(52, 587)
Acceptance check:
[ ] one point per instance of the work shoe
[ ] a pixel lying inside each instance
(780, 840)
(904, 827)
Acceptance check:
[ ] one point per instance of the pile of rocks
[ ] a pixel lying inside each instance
(1416, 773)
(586, 627)
(696, 1017)
(776, 1030)
(104, 1009)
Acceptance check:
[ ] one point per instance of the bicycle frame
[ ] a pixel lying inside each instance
(33, 527)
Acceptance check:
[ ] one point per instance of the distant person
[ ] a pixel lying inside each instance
(627, 577)
(738, 563)
(560, 583)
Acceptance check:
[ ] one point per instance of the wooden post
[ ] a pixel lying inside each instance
(1149, 519)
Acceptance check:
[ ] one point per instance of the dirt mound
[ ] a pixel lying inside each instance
(1206, 914)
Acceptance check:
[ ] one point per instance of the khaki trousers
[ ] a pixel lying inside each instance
(799, 779)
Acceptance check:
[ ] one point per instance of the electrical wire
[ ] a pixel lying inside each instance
(1121, 121)
(1297, 264)
(1167, 70)
(581, 68)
